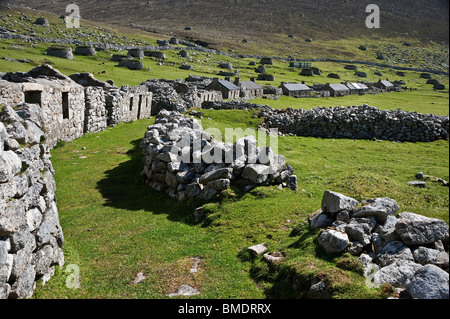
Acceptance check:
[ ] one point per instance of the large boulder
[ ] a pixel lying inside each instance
(333, 202)
(430, 282)
(415, 229)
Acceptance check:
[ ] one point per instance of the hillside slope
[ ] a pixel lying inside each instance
(264, 22)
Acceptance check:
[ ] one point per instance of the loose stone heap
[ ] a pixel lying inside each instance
(359, 122)
(186, 162)
(406, 251)
(31, 238)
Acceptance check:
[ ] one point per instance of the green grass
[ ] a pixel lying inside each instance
(116, 227)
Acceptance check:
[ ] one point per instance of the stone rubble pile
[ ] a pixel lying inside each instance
(407, 250)
(359, 122)
(186, 162)
(31, 238)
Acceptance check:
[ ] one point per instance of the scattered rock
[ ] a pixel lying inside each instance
(258, 249)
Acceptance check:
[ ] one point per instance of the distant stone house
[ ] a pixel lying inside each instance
(252, 89)
(385, 85)
(337, 90)
(228, 89)
(357, 88)
(295, 89)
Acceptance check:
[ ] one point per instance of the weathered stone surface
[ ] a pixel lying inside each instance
(318, 290)
(414, 229)
(380, 208)
(217, 174)
(333, 202)
(424, 256)
(10, 165)
(333, 241)
(399, 274)
(258, 249)
(256, 173)
(319, 219)
(430, 282)
(30, 235)
(392, 252)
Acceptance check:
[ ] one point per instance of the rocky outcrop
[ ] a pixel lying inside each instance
(359, 122)
(406, 250)
(186, 162)
(31, 238)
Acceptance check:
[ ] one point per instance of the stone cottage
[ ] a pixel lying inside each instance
(251, 88)
(336, 90)
(385, 85)
(228, 89)
(61, 99)
(295, 89)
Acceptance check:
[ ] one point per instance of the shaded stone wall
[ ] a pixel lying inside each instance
(31, 237)
(186, 162)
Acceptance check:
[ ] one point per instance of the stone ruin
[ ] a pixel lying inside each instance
(186, 162)
(359, 122)
(31, 237)
(37, 109)
(406, 250)
(75, 105)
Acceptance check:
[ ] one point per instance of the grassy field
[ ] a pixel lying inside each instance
(115, 227)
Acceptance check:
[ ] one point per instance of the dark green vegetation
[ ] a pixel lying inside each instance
(116, 227)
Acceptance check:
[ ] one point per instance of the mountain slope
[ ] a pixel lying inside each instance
(267, 21)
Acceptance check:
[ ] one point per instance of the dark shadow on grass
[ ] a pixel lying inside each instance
(124, 188)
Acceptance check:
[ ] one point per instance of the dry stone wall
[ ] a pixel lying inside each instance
(359, 122)
(186, 162)
(31, 238)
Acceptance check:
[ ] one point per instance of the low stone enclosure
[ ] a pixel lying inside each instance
(186, 162)
(407, 250)
(358, 122)
(31, 237)
(75, 105)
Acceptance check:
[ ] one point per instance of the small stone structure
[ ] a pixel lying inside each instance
(406, 250)
(86, 50)
(75, 105)
(61, 100)
(186, 162)
(60, 51)
(31, 237)
(359, 122)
